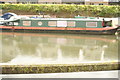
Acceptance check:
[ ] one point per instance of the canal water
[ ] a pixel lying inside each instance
(32, 48)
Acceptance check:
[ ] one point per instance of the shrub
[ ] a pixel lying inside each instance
(64, 10)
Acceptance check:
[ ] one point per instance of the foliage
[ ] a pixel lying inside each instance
(65, 10)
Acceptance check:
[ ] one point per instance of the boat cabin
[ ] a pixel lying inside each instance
(11, 19)
(61, 22)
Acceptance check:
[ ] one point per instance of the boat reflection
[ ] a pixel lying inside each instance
(30, 48)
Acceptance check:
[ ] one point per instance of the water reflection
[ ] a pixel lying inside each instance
(26, 48)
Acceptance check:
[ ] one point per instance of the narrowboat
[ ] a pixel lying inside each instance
(77, 25)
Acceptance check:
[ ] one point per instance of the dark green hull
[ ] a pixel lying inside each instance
(104, 32)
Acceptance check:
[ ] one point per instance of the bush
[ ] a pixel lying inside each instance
(64, 10)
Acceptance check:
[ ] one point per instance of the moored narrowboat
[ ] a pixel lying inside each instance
(77, 25)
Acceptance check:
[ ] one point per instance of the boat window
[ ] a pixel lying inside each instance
(15, 23)
(9, 24)
(91, 24)
(61, 23)
(39, 23)
(71, 23)
(27, 23)
(52, 23)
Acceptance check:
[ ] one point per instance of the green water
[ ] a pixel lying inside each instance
(31, 48)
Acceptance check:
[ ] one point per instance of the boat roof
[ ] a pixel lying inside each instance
(67, 19)
(74, 19)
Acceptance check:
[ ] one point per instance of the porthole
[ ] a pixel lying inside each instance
(39, 23)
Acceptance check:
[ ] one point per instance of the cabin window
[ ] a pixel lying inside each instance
(71, 23)
(9, 24)
(15, 23)
(39, 23)
(52, 23)
(91, 24)
(61, 23)
(26, 23)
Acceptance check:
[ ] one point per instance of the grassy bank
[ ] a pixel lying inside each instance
(63, 10)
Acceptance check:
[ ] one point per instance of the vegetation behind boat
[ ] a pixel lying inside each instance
(62, 10)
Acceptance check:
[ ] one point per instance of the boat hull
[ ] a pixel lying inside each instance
(111, 31)
(118, 31)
